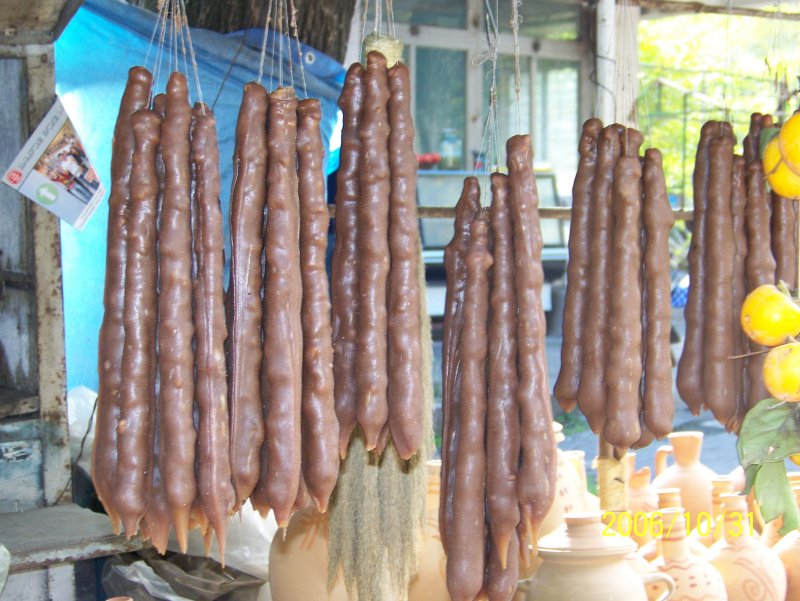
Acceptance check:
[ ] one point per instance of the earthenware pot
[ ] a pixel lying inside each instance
(709, 531)
(788, 550)
(694, 577)
(750, 569)
(687, 473)
(585, 561)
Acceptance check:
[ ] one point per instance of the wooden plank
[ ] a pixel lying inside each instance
(15, 402)
(57, 463)
(34, 21)
(59, 534)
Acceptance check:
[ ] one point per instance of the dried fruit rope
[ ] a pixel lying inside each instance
(243, 300)
(344, 272)
(282, 366)
(466, 552)
(576, 300)
(624, 367)
(404, 352)
(760, 268)
(738, 208)
(592, 390)
(373, 251)
(175, 328)
(133, 482)
(214, 484)
(689, 378)
(502, 426)
(537, 471)
(112, 332)
(657, 218)
(455, 268)
(719, 323)
(320, 429)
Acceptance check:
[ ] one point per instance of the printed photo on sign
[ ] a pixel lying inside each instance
(53, 170)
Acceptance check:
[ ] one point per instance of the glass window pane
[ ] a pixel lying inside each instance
(434, 13)
(557, 97)
(506, 97)
(441, 101)
(549, 20)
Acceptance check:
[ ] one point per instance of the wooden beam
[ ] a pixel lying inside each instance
(675, 6)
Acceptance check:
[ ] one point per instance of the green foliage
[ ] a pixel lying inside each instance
(696, 68)
(769, 434)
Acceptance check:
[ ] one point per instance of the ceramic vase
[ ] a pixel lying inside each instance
(584, 561)
(687, 473)
(695, 579)
(750, 569)
(710, 531)
(788, 550)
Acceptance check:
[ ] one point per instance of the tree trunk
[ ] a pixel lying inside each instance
(322, 24)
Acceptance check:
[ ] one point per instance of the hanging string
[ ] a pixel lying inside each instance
(364, 13)
(193, 58)
(726, 82)
(390, 18)
(288, 44)
(490, 136)
(296, 35)
(516, 19)
(264, 42)
(156, 30)
(274, 43)
(378, 17)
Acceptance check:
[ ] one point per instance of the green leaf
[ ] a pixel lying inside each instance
(750, 473)
(766, 136)
(770, 432)
(774, 495)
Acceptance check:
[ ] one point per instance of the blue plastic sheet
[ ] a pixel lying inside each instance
(93, 55)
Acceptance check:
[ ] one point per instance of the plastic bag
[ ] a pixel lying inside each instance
(148, 577)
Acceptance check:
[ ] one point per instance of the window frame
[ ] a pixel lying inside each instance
(472, 41)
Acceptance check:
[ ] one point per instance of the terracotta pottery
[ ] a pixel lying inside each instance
(668, 498)
(642, 499)
(298, 561)
(788, 550)
(688, 474)
(570, 489)
(581, 562)
(750, 569)
(739, 480)
(710, 531)
(695, 579)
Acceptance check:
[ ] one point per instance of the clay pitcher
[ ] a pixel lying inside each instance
(694, 577)
(788, 550)
(688, 474)
(587, 561)
(750, 569)
(710, 531)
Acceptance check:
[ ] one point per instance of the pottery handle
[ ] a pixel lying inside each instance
(659, 577)
(661, 458)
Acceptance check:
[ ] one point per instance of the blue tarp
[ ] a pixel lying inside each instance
(93, 55)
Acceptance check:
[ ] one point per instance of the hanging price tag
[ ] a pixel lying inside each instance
(53, 170)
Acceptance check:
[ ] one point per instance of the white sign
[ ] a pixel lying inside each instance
(52, 169)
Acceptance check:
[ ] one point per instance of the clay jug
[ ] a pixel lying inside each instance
(750, 569)
(788, 550)
(710, 531)
(585, 561)
(668, 498)
(739, 479)
(642, 499)
(688, 474)
(694, 577)
(570, 489)
(578, 461)
(298, 561)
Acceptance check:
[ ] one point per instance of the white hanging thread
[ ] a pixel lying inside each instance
(174, 38)
(516, 19)
(490, 137)
(299, 48)
(264, 41)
